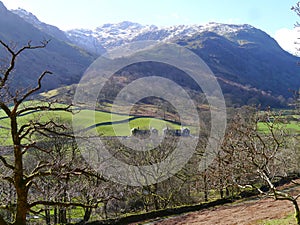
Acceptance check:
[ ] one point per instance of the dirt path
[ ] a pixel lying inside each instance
(242, 213)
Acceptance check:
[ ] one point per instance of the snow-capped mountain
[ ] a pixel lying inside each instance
(249, 64)
(49, 29)
(84, 41)
(113, 35)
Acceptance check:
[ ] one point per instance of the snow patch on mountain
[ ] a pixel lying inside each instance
(113, 35)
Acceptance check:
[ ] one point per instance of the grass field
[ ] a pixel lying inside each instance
(292, 126)
(288, 220)
(142, 123)
(104, 122)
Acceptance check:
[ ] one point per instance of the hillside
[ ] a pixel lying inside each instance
(67, 62)
(249, 64)
(90, 43)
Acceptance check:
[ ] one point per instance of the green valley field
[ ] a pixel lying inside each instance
(103, 121)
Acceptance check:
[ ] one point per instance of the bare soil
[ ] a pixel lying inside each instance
(247, 212)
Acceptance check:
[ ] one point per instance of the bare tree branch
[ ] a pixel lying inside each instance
(14, 55)
(6, 163)
(32, 91)
(45, 108)
(5, 108)
(9, 179)
(65, 204)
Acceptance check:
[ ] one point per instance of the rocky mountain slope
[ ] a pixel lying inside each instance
(113, 35)
(85, 41)
(249, 64)
(67, 62)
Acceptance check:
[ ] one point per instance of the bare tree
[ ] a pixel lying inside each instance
(260, 155)
(24, 137)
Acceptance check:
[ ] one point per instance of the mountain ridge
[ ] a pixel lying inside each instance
(67, 62)
(248, 62)
(91, 45)
(115, 34)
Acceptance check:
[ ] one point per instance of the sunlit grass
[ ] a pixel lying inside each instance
(85, 119)
(288, 220)
(124, 129)
(293, 127)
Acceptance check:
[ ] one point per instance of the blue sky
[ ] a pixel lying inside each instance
(272, 16)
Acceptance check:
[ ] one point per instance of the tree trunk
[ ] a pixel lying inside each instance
(221, 193)
(55, 215)
(105, 209)
(227, 192)
(205, 187)
(205, 195)
(297, 212)
(62, 215)
(20, 184)
(22, 207)
(155, 197)
(2, 221)
(87, 211)
(87, 214)
(47, 216)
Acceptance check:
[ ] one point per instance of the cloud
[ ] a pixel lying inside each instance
(287, 39)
